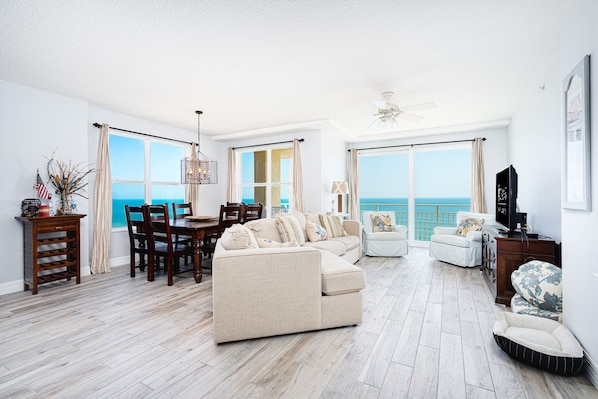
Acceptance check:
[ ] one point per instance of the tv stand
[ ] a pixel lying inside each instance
(502, 254)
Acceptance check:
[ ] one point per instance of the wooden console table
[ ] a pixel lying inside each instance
(501, 255)
(51, 249)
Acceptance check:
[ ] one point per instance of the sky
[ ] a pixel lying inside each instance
(437, 174)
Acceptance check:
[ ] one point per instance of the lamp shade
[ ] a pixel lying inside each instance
(340, 187)
(199, 169)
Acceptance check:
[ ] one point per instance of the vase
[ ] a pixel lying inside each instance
(64, 205)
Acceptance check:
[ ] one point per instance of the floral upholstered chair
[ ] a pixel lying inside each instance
(382, 236)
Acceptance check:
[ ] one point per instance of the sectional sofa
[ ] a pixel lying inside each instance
(268, 280)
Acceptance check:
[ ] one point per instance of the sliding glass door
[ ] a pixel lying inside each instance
(424, 186)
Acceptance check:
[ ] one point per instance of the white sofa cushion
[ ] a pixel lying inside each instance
(333, 224)
(315, 232)
(333, 246)
(454, 240)
(339, 276)
(289, 228)
(238, 237)
(264, 228)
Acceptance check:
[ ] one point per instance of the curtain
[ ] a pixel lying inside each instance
(192, 190)
(354, 185)
(231, 195)
(102, 206)
(478, 196)
(297, 177)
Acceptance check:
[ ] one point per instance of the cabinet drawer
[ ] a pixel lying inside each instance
(53, 228)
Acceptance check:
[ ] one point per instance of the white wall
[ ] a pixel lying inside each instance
(34, 123)
(323, 160)
(536, 145)
(535, 151)
(579, 36)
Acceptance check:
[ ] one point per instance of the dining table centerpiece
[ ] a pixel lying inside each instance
(69, 180)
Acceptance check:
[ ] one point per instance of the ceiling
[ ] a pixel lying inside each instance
(269, 66)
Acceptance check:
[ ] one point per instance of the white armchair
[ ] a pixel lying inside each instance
(466, 250)
(386, 243)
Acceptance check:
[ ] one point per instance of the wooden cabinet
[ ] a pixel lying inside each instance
(501, 255)
(51, 248)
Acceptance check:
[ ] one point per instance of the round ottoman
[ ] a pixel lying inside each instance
(539, 342)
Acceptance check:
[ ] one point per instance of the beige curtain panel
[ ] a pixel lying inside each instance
(478, 196)
(354, 185)
(231, 195)
(297, 177)
(102, 228)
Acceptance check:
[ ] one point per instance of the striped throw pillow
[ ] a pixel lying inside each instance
(333, 224)
(289, 228)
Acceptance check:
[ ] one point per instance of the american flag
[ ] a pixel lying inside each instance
(42, 191)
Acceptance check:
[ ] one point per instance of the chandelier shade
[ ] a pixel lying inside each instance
(198, 168)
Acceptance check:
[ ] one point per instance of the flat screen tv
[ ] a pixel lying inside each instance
(506, 198)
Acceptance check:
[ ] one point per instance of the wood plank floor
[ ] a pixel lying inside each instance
(426, 333)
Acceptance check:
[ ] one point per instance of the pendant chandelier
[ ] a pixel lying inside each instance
(198, 168)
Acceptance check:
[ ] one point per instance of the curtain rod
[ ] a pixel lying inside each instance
(260, 145)
(413, 145)
(143, 134)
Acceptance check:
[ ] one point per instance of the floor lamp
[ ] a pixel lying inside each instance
(340, 188)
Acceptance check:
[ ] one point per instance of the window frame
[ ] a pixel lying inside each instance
(147, 182)
(238, 153)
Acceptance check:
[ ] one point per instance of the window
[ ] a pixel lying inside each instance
(266, 178)
(143, 171)
(424, 186)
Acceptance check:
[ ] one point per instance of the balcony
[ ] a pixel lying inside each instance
(427, 216)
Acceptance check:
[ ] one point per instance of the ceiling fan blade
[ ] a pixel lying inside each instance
(411, 117)
(419, 106)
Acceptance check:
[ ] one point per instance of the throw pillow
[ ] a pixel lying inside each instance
(238, 237)
(381, 223)
(333, 224)
(266, 243)
(289, 228)
(315, 232)
(468, 224)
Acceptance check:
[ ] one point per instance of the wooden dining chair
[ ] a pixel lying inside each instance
(187, 210)
(253, 212)
(137, 238)
(229, 215)
(161, 242)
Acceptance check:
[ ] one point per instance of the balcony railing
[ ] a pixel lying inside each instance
(427, 216)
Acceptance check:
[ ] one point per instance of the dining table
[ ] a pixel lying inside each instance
(197, 229)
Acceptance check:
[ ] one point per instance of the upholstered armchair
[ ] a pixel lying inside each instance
(461, 245)
(382, 236)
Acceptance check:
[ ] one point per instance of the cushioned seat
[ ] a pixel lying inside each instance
(539, 342)
(339, 276)
(385, 238)
(460, 245)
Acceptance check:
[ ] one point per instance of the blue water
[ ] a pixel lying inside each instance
(429, 212)
(119, 219)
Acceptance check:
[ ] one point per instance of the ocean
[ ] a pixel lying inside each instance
(429, 212)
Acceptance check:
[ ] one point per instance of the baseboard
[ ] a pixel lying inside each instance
(591, 370)
(17, 285)
(11, 286)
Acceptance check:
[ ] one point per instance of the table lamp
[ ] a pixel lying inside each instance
(340, 188)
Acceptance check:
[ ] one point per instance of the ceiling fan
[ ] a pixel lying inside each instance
(388, 112)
